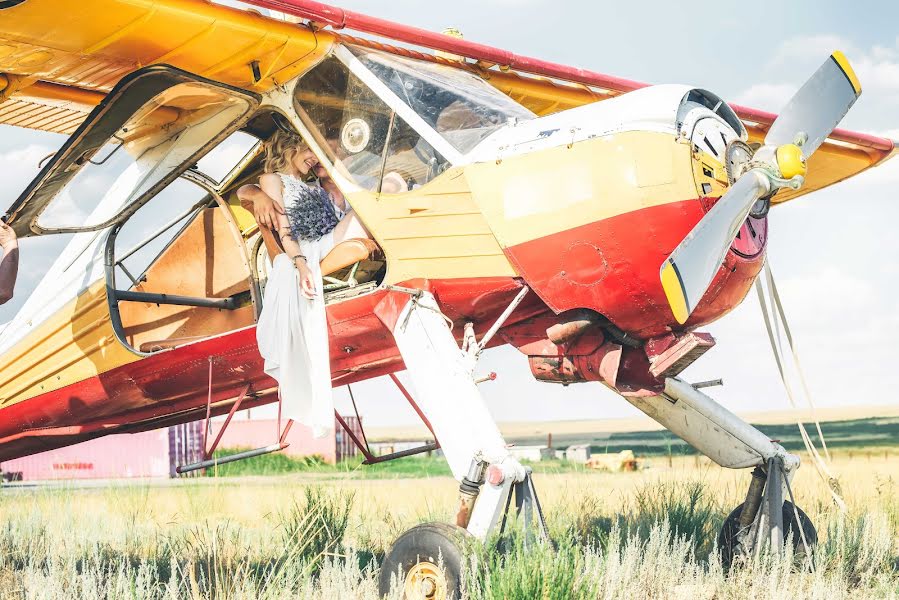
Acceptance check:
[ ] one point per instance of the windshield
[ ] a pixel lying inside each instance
(460, 106)
(360, 134)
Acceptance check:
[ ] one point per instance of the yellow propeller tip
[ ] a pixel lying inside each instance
(674, 292)
(843, 63)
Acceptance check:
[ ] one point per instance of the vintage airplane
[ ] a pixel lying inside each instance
(594, 223)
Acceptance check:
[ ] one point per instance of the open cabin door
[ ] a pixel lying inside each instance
(153, 125)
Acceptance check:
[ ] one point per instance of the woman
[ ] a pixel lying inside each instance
(292, 332)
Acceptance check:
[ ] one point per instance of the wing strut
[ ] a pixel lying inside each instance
(208, 460)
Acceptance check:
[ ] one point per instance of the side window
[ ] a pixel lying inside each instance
(221, 160)
(363, 136)
(155, 140)
(145, 235)
(350, 118)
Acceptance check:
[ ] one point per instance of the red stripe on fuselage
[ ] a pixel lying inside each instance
(171, 387)
(612, 266)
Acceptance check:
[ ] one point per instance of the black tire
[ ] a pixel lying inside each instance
(730, 528)
(430, 548)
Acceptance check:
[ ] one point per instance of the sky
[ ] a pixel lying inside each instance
(830, 251)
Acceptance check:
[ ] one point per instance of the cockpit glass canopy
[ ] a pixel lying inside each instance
(390, 123)
(360, 134)
(460, 106)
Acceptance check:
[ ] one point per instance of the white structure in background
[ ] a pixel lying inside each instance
(532, 453)
(579, 453)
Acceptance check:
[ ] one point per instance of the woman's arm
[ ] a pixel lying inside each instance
(263, 208)
(271, 185)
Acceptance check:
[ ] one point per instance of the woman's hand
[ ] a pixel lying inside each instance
(8, 239)
(266, 210)
(307, 280)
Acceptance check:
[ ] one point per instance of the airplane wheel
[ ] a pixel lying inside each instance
(727, 543)
(428, 560)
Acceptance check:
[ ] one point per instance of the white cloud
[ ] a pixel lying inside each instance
(19, 166)
(766, 96)
(809, 48)
(795, 59)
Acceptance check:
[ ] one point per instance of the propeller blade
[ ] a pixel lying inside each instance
(814, 111)
(689, 271)
(818, 106)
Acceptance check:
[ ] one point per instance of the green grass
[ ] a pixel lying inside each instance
(279, 463)
(657, 544)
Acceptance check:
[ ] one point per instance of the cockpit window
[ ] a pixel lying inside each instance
(460, 106)
(147, 149)
(361, 134)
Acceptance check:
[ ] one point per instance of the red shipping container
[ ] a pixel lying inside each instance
(130, 455)
(156, 454)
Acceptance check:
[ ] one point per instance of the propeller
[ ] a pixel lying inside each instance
(803, 125)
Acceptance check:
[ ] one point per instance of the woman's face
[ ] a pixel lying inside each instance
(304, 161)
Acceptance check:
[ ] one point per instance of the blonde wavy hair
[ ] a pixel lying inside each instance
(280, 150)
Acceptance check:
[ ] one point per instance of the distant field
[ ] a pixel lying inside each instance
(353, 469)
(635, 434)
(578, 430)
(856, 434)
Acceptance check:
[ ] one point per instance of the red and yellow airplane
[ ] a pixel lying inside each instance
(592, 222)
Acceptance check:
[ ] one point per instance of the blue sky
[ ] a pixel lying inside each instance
(830, 251)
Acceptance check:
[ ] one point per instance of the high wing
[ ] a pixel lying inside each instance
(57, 63)
(58, 59)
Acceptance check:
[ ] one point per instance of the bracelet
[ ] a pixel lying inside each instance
(294, 258)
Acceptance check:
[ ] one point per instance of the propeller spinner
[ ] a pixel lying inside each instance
(804, 124)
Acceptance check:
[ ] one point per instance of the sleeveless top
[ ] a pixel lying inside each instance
(310, 209)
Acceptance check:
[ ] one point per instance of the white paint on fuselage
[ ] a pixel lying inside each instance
(653, 108)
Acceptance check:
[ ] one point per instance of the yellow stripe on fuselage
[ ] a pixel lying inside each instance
(75, 343)
(534, 195)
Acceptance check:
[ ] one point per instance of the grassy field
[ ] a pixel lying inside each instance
(319, 533)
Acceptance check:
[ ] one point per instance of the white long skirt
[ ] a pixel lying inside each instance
(292, 334)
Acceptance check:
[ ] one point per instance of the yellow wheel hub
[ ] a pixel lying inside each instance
(790, 161)
(425, 580)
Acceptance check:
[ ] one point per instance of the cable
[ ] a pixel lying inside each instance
(778, 317)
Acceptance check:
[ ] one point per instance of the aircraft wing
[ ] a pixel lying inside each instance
(59, 58)
(57, 62)
(844, 154)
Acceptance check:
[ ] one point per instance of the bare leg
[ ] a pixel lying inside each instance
(350, 227)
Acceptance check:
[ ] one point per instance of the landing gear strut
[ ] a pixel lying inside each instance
(765, 519)
(429, 558)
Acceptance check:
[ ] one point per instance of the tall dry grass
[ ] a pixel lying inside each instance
(643, 535)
